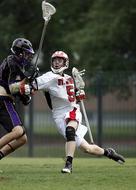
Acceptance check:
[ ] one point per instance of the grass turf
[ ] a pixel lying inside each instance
(88, 174)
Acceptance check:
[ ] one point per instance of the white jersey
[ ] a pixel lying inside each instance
(64, 107)
(61, 90)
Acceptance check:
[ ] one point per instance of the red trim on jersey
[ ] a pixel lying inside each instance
(72, 114)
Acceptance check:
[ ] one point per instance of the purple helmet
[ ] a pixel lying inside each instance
(21, 44)
(23, 49)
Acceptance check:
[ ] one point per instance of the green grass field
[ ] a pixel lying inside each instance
(88, 174)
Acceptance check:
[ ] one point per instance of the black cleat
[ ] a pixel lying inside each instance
(67, 168)
(112, 154)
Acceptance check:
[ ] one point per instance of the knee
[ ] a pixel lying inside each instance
(70, 133)
(23, 139)
(18, 131)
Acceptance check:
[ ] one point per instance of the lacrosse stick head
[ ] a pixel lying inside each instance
(48, 10)
(77, 75)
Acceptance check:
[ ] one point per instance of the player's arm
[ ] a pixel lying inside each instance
(21, 87)
(25, 87)
(44, 81)
(48, 99)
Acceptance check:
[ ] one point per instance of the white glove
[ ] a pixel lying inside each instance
(25, 89)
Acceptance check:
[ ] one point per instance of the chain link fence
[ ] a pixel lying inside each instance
(111, 109)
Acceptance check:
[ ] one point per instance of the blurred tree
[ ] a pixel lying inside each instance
(106, 35)
(19, 19)
(97, 34)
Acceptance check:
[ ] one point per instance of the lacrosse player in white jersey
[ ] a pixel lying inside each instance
(66, 111)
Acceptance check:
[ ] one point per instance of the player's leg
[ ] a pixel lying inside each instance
(91, 148)
(11, 122)
(70, 145)
(67, 126)
(72, 118)
(96, 150)
(16, 133)
(12, 146)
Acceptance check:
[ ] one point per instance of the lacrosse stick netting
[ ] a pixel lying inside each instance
(48, 10)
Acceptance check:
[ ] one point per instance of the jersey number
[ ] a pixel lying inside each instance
(70, 90)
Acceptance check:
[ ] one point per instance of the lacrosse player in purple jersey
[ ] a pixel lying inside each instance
(13, 70)
(62, 99)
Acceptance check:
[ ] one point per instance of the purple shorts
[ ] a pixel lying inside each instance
(9, 118)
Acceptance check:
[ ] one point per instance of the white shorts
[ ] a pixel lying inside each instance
(72, 115)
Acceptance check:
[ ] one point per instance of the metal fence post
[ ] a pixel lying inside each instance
(30, 135)
(99, 110)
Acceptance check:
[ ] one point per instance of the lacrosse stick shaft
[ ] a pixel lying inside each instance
(41, 42)
(87, 122)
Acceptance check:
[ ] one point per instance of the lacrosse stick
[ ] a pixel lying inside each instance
(48, 10)
(79, 83)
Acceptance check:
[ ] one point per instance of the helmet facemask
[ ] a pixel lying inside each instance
(27, 56)
(59, 67)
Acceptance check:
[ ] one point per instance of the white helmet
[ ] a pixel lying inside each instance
(63, 55)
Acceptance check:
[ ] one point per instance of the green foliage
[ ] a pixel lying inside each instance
(104, 40)
(18, 19)
(97, 34)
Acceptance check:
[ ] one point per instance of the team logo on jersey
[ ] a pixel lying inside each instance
(69, 81)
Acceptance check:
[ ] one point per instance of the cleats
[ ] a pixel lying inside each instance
(67, 168)
(112, 154)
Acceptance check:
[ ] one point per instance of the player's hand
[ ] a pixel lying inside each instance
(80, 95)
(25, 89)
(25, 99)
